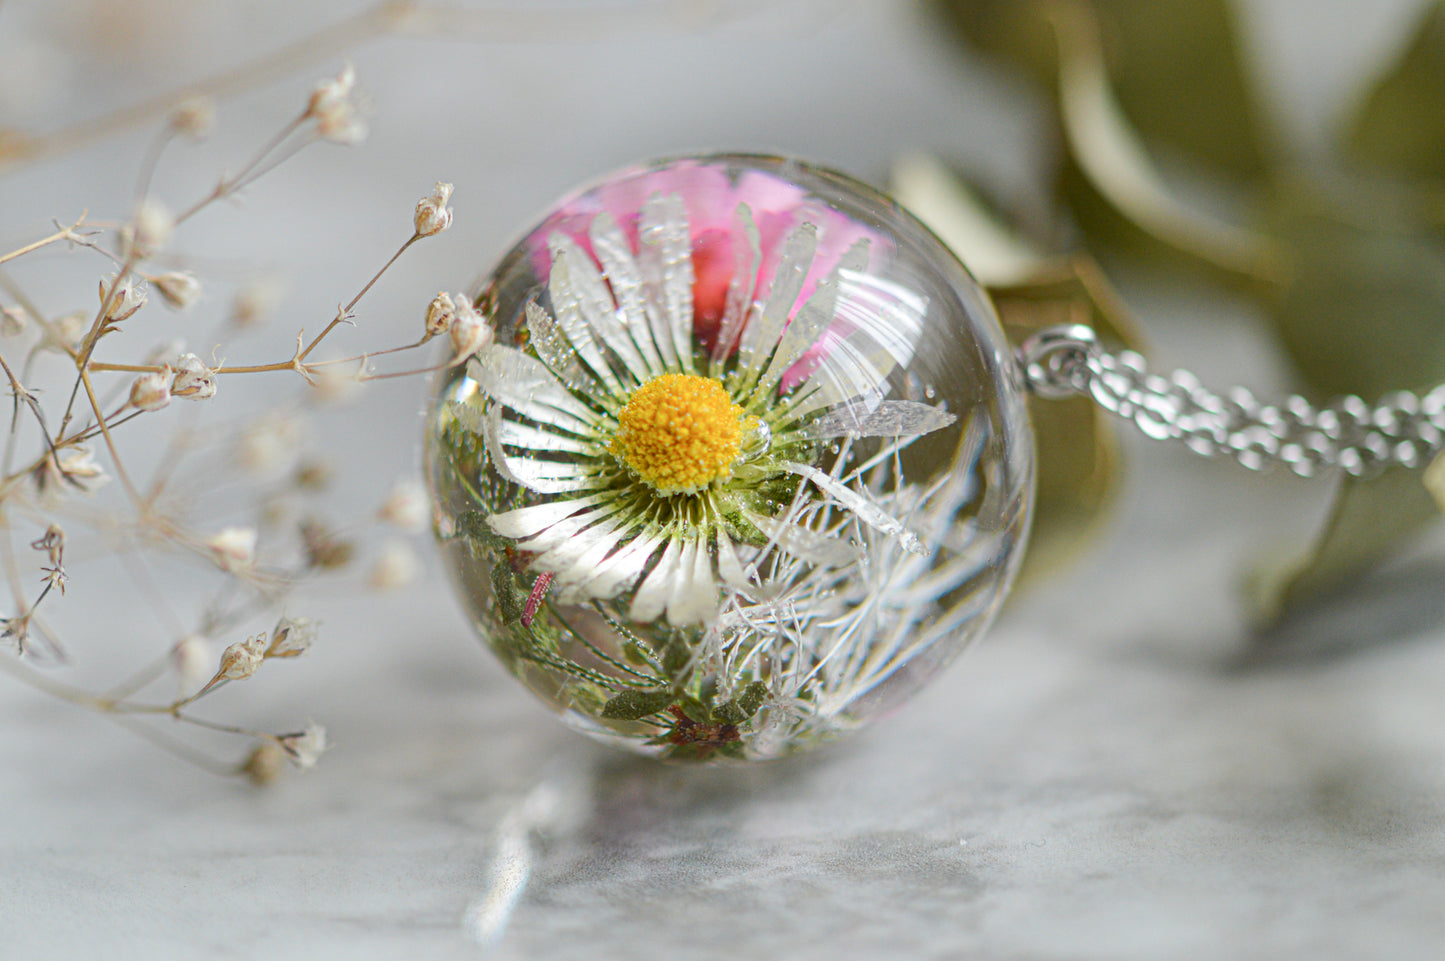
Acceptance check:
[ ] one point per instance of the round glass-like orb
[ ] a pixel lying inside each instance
(745, 464)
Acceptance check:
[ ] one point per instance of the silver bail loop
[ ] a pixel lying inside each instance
(1055, 360)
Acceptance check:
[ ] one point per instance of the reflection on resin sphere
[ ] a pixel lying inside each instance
(744, 466)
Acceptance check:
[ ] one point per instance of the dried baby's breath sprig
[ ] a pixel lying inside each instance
(233, 548)
(109, 392)
(13, 321)
(406, 507)
(153, 227)
(195, 118)
(193, 379)
(432, 213)
(241, 659)
(178, 288)
(325, 550)
(439, 314)
(191, 658)
(253, 304)
(335, 109)
(469, 331)
(291, 637)
(396, 566)
(265, 763)
(120, 298)
(304, 748)
(151, 391)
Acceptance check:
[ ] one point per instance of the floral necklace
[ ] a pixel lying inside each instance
(746, 461)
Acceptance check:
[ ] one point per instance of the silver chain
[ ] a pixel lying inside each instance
(1402, 429)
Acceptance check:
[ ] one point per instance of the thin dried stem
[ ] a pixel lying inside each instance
(345, 312)
(64, 233)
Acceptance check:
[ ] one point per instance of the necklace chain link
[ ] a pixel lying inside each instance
(1402, 429)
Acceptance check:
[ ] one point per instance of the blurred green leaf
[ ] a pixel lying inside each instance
(1176, 65)
(1112, 159)
(1077, 450)
(1363, 311)
(1400, 124)
(1370, 520)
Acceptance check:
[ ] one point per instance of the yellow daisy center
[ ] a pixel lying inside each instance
(680, 432)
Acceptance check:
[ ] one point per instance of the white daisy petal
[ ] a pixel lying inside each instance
(567, 306)
(528, 521)
(812, 318)
(729, 567)
(891, 418)
(846, 374)
(568, 528)
(694, 596)
(765, 329)
(491, 429)
(815, 547)
(666, 257)
(554, 349)
(598, 308)
(890, 315)
(525, 384)
(865, 510)
(652, 595)
(564, 558)
(741, 287)
(617, 573)
(625, 278)
(599, 543)
(535, 438)
(552, 477)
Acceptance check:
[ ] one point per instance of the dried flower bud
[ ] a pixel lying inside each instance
(269, 444)
(406, 506)
(331, 93)
(151, 391)
(432, 213)
(195, 117)
(469, 332)
(253, 303)
(396, 567)
(439, 314)
(194, 380)
(337, 384)
(240, 660)
(306, 747)
(75, 469)
(192, 659)
(233, 548)
(125, 301)
(324, 550)
(52, 542)
(179, 289)
(334, 108)
(291, 637)
(153, 226)
(313, 475)
(264, 765)
(63, 334)
(13, 321)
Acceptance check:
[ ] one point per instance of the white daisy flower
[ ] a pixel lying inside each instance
(664, 473)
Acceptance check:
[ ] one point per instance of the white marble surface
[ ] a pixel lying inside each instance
(1112, 774)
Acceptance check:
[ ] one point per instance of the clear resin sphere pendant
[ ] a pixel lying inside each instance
(745, 464)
